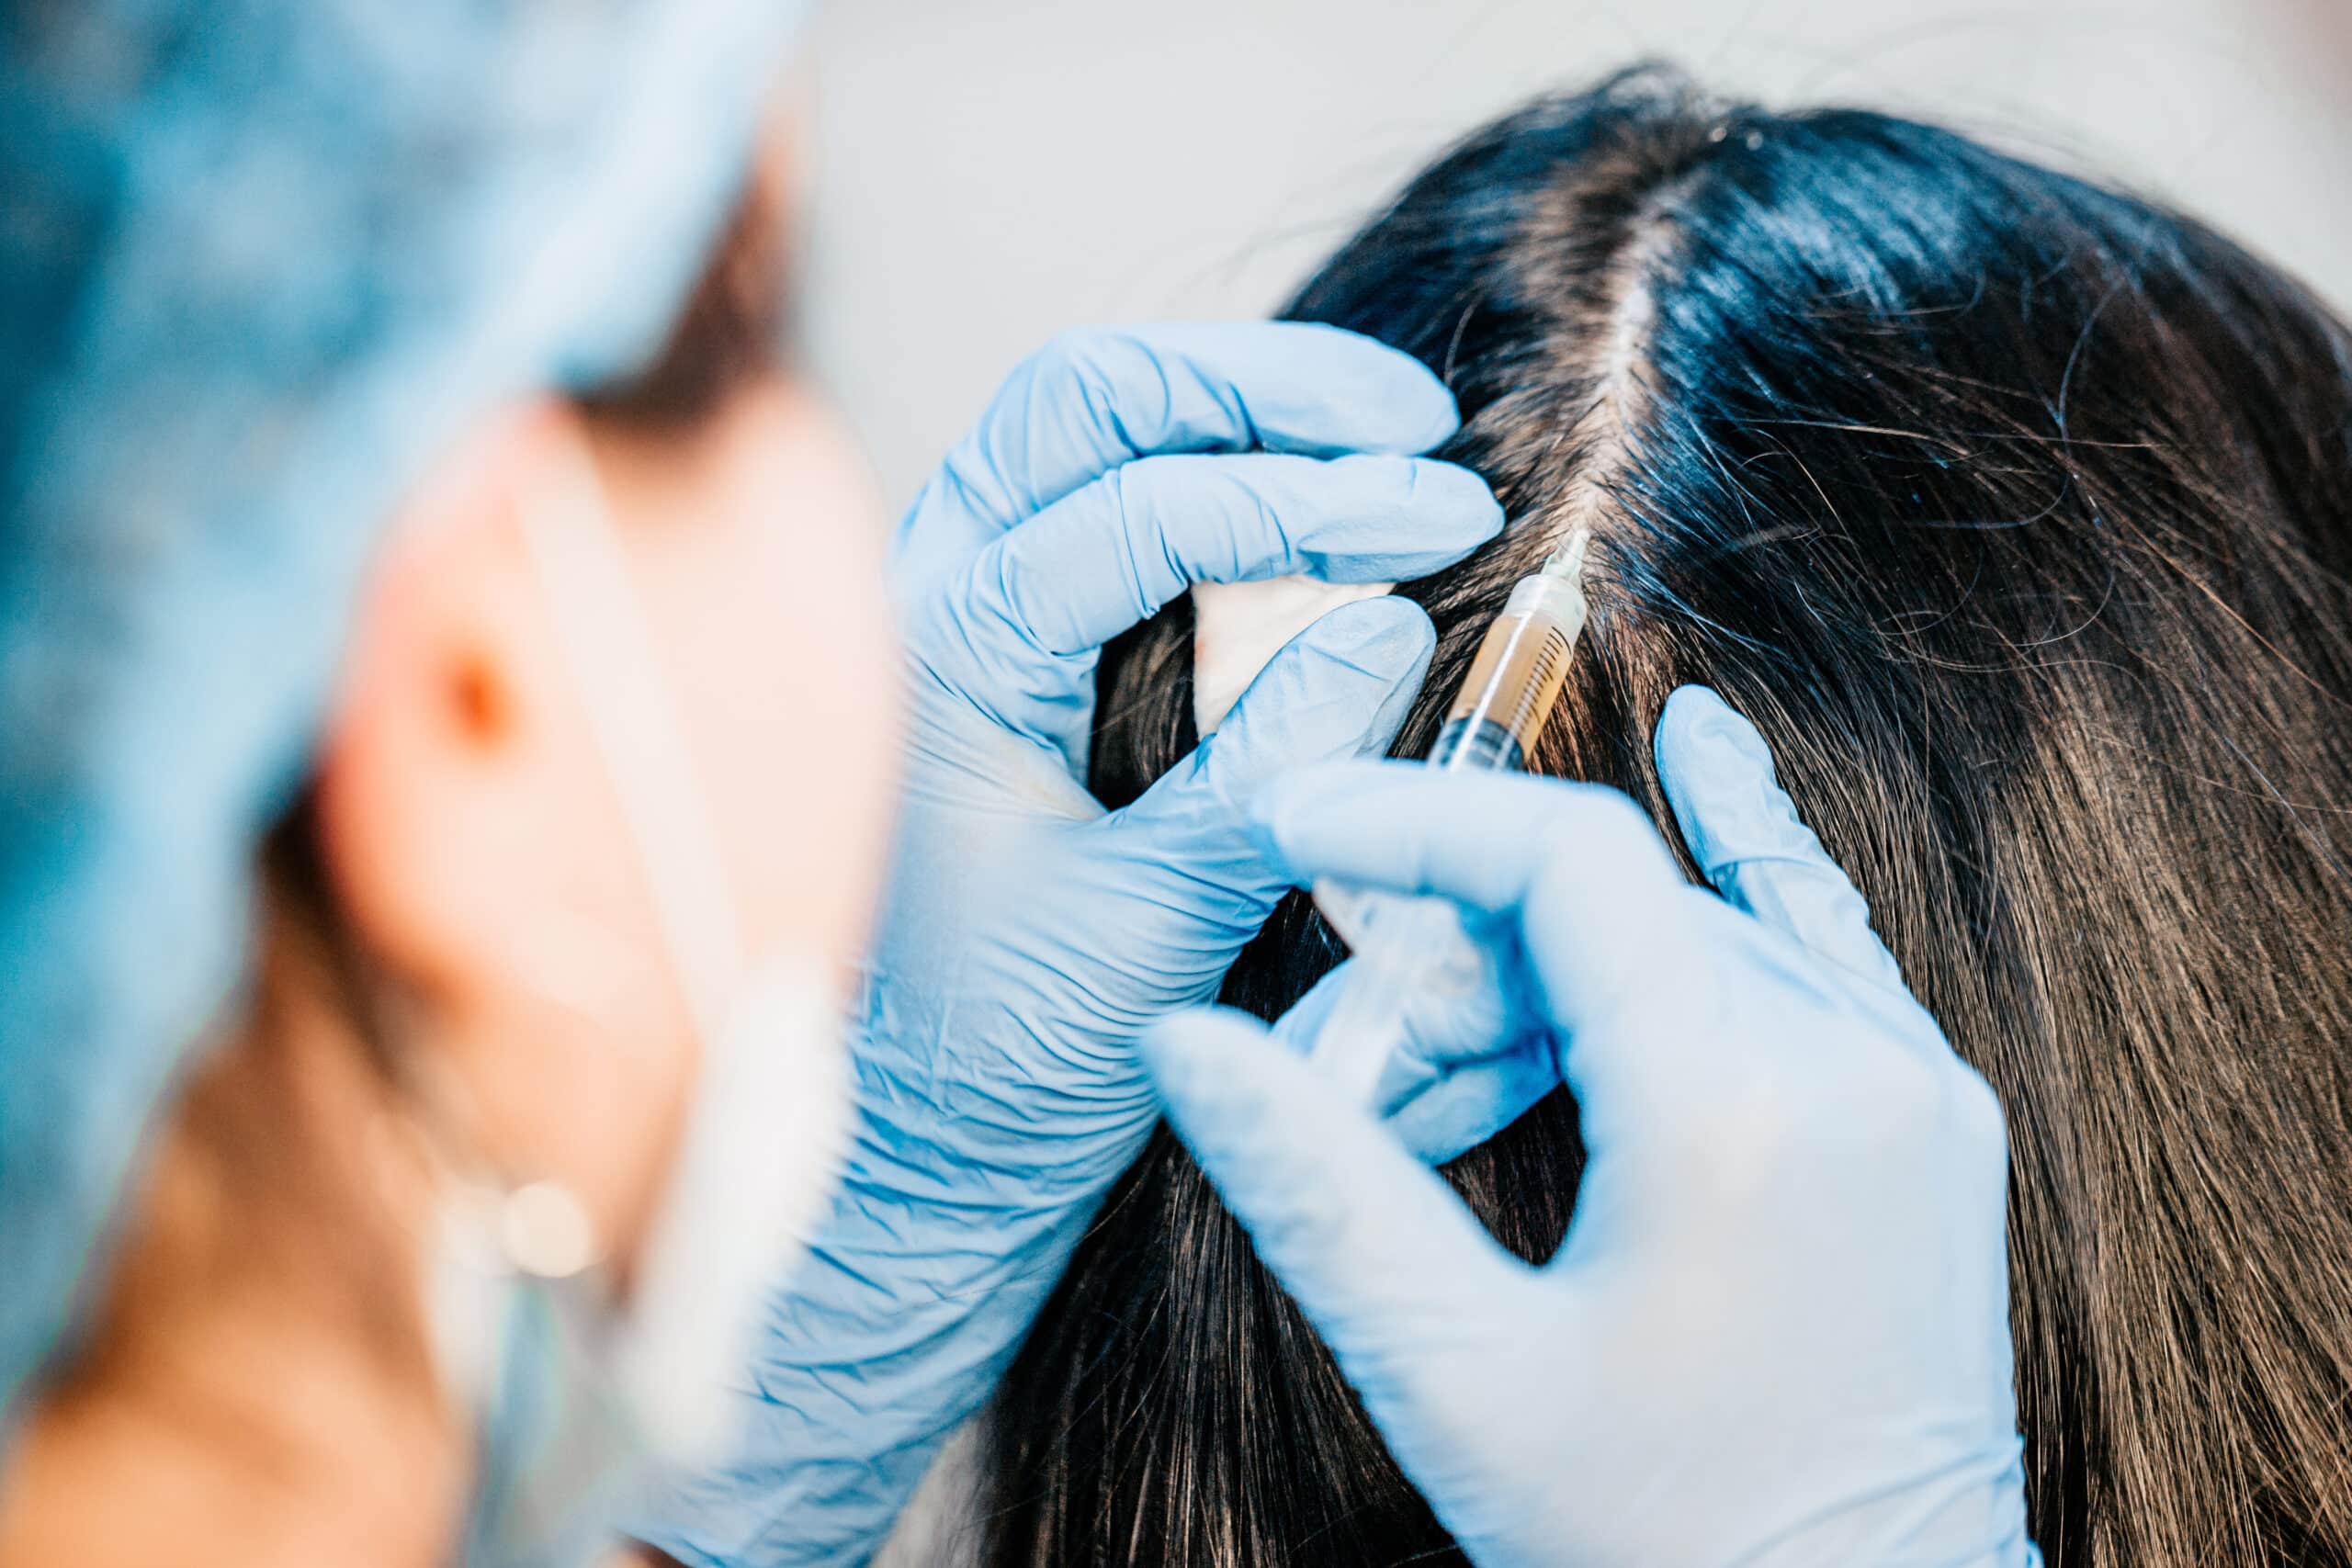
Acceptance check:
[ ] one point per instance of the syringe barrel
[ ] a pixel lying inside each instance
(1405, 946)
(1516, 678)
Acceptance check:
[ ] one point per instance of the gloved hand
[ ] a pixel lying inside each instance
(1777, 1331)
(1028, 936)
(1465, 1064)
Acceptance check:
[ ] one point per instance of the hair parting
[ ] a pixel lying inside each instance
(2016, 512)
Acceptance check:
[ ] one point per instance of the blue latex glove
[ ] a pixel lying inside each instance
(1778, 1330)
(1465, 1066)
(1029, 936)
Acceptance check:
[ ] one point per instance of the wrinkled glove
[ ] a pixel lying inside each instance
(1778, 1329)
(1028, 935)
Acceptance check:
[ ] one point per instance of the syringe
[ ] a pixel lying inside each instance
(1404, 947)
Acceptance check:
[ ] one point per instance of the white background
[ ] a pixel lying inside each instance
(986, 172)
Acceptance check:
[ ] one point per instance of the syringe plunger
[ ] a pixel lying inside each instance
(1403, 946)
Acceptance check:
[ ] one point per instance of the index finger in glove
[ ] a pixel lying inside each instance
(1745, 834)
(1019, 632)
(1612, 934)
(1094, 400)
(1600, 902)
(1111, 556)
(1341, 688)
(1468, 1063)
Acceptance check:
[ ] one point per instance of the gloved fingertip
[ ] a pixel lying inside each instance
(1200, 1057)
(1386, 639)
(1750, 842)
(1456, 500)
(1429, 413)
(1341, 390)
(1696, 725)
(1276, 811)
(1395, 655)
(1264, 836)
(1718, 777)
(1339, 689)
(1422, 407)
(1377, 517)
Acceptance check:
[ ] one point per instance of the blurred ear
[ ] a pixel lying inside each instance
(450, 806)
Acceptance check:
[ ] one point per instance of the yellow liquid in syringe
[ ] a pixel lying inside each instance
(1522, 664)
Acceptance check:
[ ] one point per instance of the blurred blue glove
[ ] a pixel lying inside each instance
(1778, 1330)
(1029, 936)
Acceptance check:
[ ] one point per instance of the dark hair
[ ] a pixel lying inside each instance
(731, 332)
(2017, 513)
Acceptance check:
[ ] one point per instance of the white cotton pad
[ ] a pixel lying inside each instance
(1237, 628)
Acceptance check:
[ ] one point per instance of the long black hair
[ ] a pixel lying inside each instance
(2017, 513)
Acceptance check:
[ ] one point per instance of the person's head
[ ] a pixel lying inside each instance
(599, 743)
(475, 826)
(2017, 513)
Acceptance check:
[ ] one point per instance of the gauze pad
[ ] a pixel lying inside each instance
(1237, 628)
